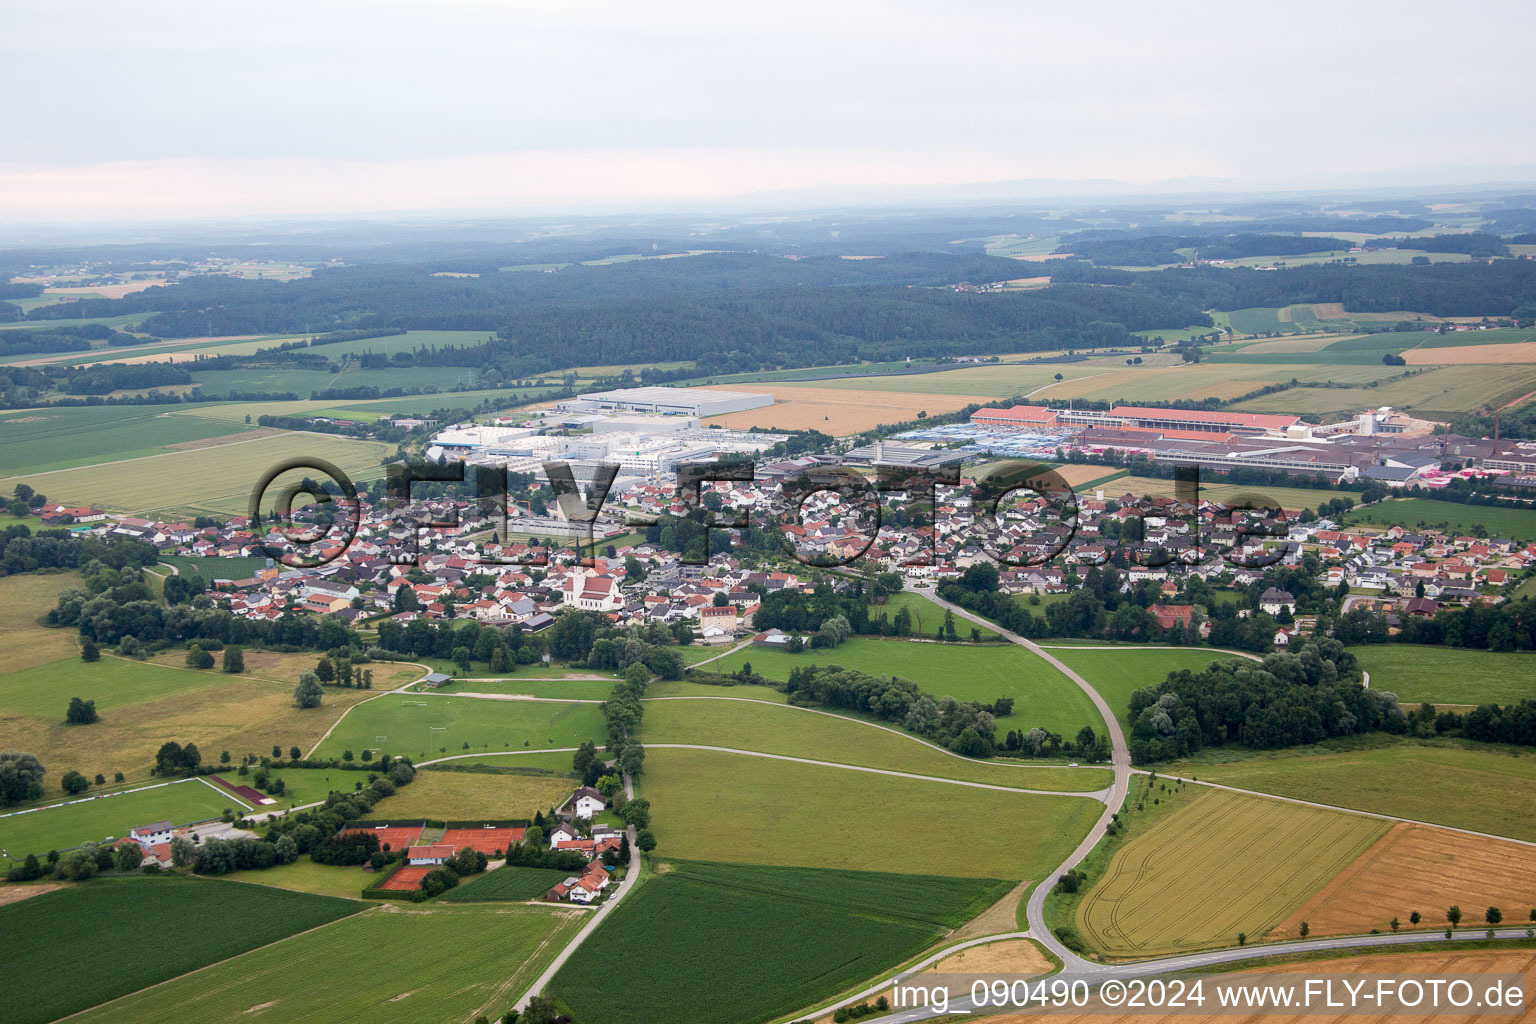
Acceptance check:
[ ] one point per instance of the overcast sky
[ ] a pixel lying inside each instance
(152, 110)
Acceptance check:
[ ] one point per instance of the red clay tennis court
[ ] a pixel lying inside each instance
(486, 840)
(396, 837)
(407, 879)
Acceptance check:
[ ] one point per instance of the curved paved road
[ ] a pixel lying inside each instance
(1120, 761)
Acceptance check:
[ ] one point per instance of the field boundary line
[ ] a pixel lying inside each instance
(224, 793)
(367, 908)
(1344, 810)
(875, 725)
(1098, 795)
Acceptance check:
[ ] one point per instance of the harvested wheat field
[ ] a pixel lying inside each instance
(1423, 868)
(1506, 352)
(836, 411)
(1401, 965)
(1225, 863)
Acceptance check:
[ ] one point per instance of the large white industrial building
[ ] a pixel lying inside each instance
(700, 402)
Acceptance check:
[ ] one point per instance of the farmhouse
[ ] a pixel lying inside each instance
(418, 856)
(1273, 600)
(592, 882)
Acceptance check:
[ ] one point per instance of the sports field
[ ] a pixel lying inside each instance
(64, 972)
(1118, 673)
(464, 961)
(429, 726)
(213, 480)
(110, 816)
(775, 941)
(455, 796)
(1449, 675)
(761, 811)
(1043, 696)
(1224, 864)
(1482, 787)
(797, 732)
(1449, 516)
(1425, 869)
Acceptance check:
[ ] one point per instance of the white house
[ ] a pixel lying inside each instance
(151, 835)
(421, 856)
(597, 593)
(1273, 600)
(561, 834)
(586, 802)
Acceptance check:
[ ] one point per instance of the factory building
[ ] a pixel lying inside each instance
(699, 402)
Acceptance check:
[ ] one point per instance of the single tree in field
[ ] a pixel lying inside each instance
(81, 712)
(1493, 915)
(309, 692)
(1416, 917)
(1242, 938)
(294, 753)
(1394, 923)
(73, 782)
(1453, 915)
(324, 670)
(89, 651)
(234, 659)
(1306, 929)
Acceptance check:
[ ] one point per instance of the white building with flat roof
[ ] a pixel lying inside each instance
(700, 402)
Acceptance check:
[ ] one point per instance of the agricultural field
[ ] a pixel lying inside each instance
(1449, 516)
(927, 617)
(762, 811)
(464, 961)
(429, 726)
(63, 972)
(24, 643)
(109, 816)
(213, 480)
(242, 714)
(1425, 869)
(1043, 697)
(775, 941)
(507, 884)
(458, 796)
(1443, 390)
(567, 689)
(41, 440)
(1118, 673)
(797, 732)
(1481, 787)
(304, 875)
(994, 380)
(1225, 863)
(1448, 675)
(837, 412)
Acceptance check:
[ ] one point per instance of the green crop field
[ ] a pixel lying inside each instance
(1043, 697)
(62, 826)
(408, 724)
(215, 480)
(1446, 389)
(304, 875)
(1447, 675)
(39, 440)
(507, 884)
(1224, 864)
(774, 941)
(1477, 786)
(1116, 674)
(463, 961)
(62, 971)
(796, 732)
(1448, 516)
(761, 811)
(219, 568)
